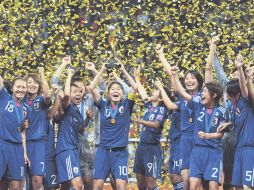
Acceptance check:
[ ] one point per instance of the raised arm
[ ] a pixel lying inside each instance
(67, 88)
(127, 76)
(141, 89)
(168, 103)
(45, 86)
(249, 75)
(1, 82)
(208, 71)
(57, 74)
(52, 112)
(91, 67)
(93, 90)
(242, 80)
(178, 86)
(220, 74)
(166, 65)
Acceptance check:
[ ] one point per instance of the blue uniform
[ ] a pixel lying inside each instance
(206, 157)
(174, 137)
(67, 158)
(12, 116)
(148, 156)
(36, 135)
(187, 129)
(50, 178)
(242, 117)
(112, 155)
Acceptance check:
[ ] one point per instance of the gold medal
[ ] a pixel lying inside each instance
(190, 120)
(113, 121)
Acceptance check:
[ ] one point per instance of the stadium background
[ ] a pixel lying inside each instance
(40, 32)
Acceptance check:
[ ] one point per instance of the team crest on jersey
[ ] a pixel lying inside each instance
(75, 170)
(36, 106)
(237, 112)
(215, 121)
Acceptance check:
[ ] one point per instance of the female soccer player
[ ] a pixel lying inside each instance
(241, 97)
(206, 156)
(193, 81)
(36, 134)
(13, 121)
(72, 123)
(148, 158)
(115, 112)
(172, 102)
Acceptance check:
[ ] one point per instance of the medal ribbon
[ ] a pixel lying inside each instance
(19, 116)
(113, 112)
(209, 126)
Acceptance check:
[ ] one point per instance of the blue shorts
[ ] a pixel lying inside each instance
(174, 160)
(50, 178)
(68, 165)
(114, 161)
(36, 155)
(243, 172)
(11, 161)
(186, 145)
(148, 160)
(206, 163)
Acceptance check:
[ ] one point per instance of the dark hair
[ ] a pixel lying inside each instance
(115, 82)
(215, 88)
(76, 79)
(37, 79)
(198, 76)
(233, 87)
(16, 79)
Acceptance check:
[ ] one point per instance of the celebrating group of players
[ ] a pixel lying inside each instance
(29, 114)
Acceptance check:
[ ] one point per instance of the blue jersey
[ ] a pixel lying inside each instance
(70, 125)
(174, 130)
(116, 134)
(37, 120)
(50, 142)
(242, 117)
(208, 123)
(150, 135)
(12, 116)
(187, 115)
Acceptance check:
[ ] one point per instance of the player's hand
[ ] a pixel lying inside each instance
(90, 66)
(112, 76)
(239, 61)
(159, 49)
(137, 72)
(223, 126)
(174, 70)
(159, 84)
(215, 40)
(40, 70)
(249, 71)
(89, 113)
(70, 72)
(66, 60)
(202, 134)
(25, 124)
(26, 159)
(134, 119)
